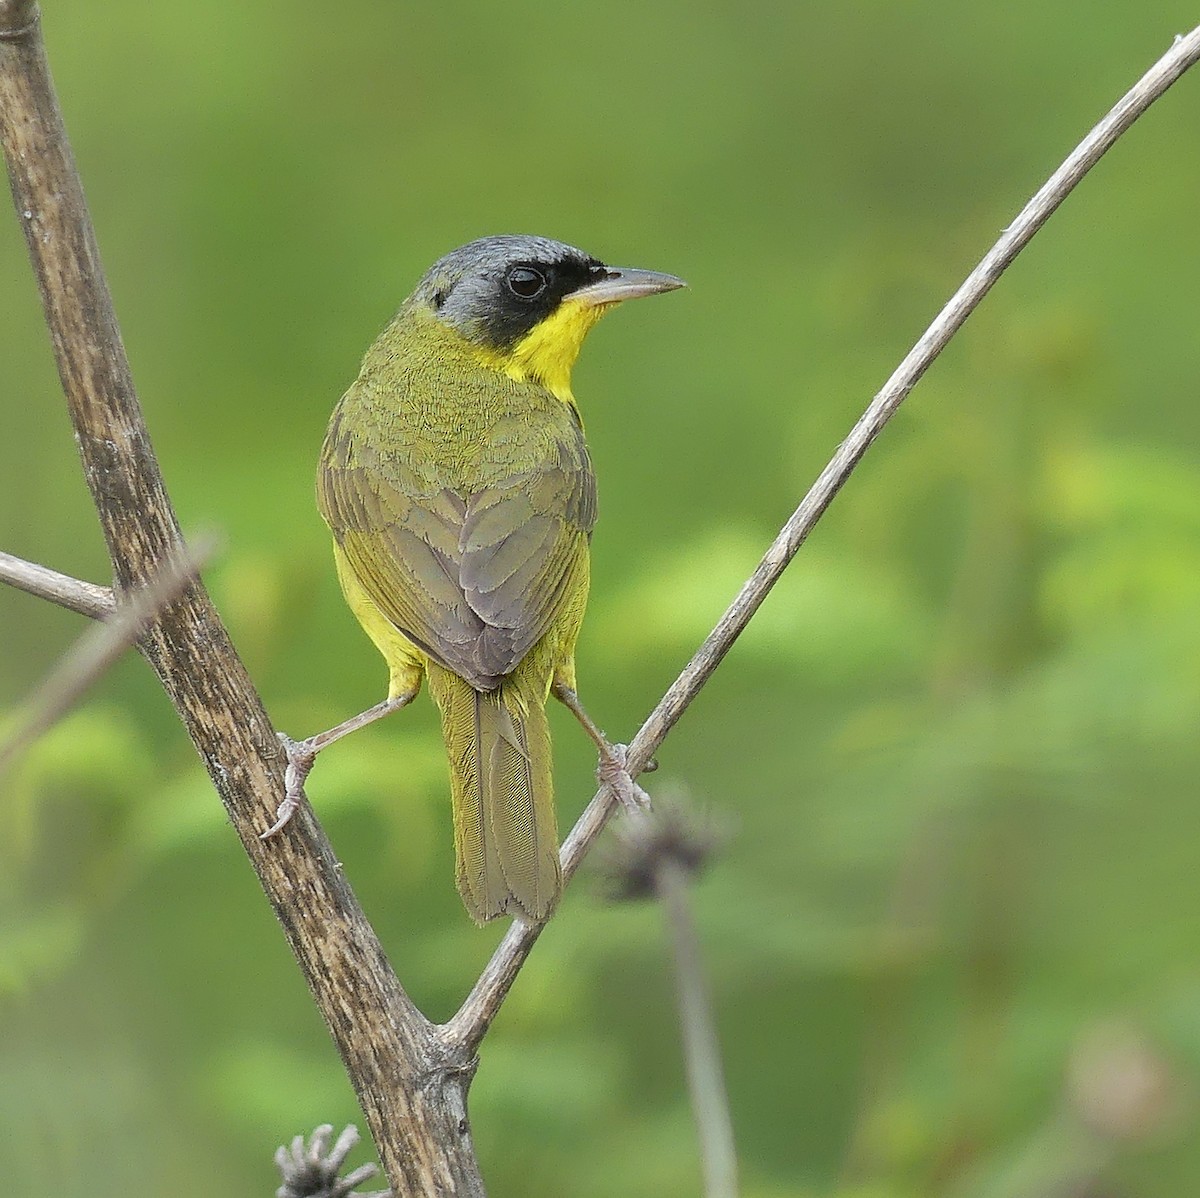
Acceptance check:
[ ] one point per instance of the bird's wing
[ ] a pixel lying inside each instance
(473, 579)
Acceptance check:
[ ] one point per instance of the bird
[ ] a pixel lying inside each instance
(456, 482)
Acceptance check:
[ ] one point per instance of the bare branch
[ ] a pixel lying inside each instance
(412, 1090)
(1182, 55)
(701, 1048)
(86, 598)
(468, 1026)
(99, 647)
(658, 854)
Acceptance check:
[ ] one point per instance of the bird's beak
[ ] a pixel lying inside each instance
(624, 283)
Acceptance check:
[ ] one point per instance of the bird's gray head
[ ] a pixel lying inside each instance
(496, 290)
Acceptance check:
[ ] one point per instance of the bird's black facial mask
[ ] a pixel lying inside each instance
(527, 293)
(497, 290)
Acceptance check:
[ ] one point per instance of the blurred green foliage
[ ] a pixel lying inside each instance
(954, 942)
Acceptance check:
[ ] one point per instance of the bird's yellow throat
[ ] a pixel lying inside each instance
(548, 351)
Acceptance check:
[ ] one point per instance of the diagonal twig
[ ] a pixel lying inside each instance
(100, 647)
(472, 1020)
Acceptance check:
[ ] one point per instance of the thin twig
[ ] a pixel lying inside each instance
(701, 1048)
(468, 1026)
(658, 854)
(86, 598)
(100, 647)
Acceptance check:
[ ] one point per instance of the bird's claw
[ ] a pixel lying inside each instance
(613, 771)
(300, 757)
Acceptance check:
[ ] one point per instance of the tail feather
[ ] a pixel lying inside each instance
(505, 831)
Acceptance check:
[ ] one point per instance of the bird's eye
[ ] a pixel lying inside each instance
(526, 282)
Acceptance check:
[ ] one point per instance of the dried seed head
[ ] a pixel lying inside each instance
(310, 1170)
(674, 831)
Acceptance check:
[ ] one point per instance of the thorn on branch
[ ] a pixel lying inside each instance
(310, 1170)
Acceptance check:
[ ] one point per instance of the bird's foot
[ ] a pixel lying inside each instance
(301, 755)
(613, 771)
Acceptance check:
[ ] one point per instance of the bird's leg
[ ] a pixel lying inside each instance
(613, 768)
(301, 754)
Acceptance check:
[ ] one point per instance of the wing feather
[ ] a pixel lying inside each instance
(473, 575)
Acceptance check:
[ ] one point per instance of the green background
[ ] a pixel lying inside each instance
(953, 937)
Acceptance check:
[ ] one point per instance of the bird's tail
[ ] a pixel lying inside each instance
(505, 831)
